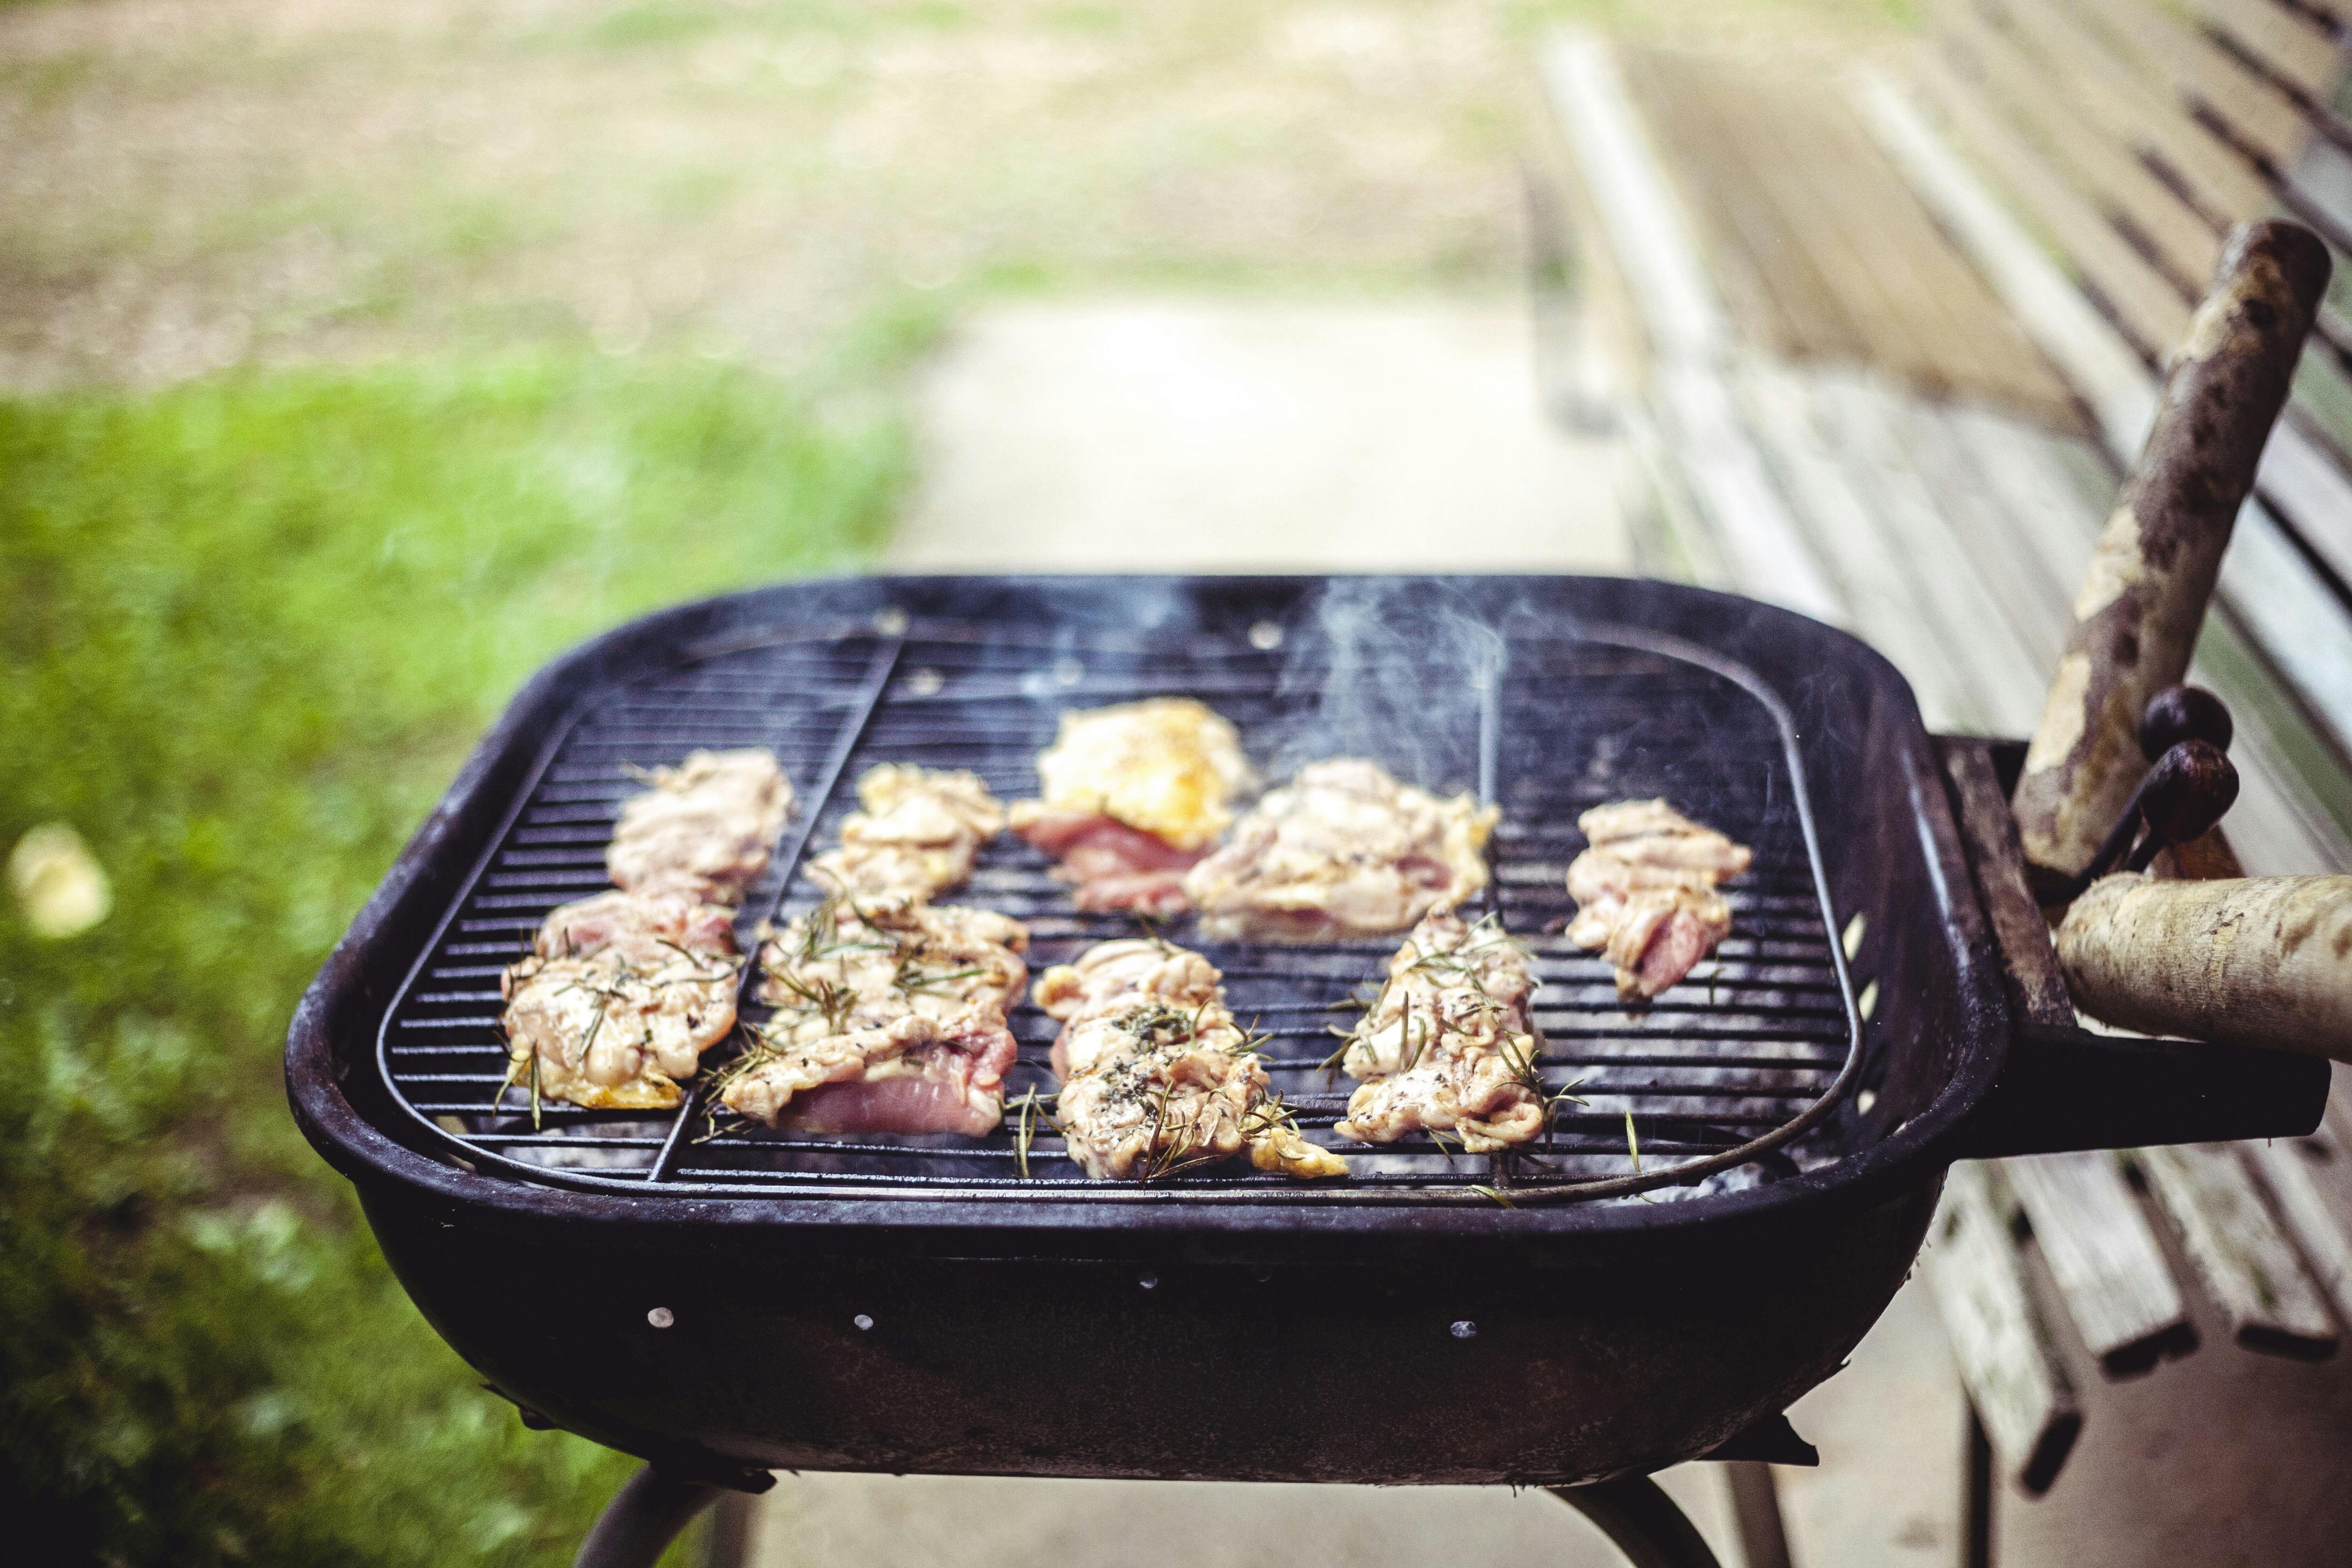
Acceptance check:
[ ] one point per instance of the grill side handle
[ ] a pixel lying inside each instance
(2062, 1088)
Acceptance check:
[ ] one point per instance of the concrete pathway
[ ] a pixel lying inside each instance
(1139, 435)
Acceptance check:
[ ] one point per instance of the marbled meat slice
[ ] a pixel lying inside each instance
(648, 927)
(917, 835)
(891, 1017)
(1343, 849)
(619, 1025)
(1448, 1048)
(1131, 797)
(1646, 891)
(706, 828)
(1157, 1078)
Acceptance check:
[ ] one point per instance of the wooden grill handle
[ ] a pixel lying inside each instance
(2136, 615)
(2247, 961)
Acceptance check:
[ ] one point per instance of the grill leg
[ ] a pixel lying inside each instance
(644, 1516)
(1641, 1521)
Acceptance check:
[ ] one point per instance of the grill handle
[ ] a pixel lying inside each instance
(2063, 1090)
(2140, 606)
(2246, 961)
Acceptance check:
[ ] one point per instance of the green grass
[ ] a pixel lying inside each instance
(246, 628)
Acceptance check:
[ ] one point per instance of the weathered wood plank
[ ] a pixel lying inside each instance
(2270, 594)
(2317, 1213)
(2242, 1256)
(2026, 95)
(1755, 258)
(2262, 117)
(2138, 113)
(1731, 482)
(2017, 1383)
(1700, 426)
(1862, 422)
(1669, 285)
(2292, 47)
(2148, 309)
(2111, 1276)
(1884, 602)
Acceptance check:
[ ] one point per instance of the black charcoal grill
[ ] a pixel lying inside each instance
(1741, 1189)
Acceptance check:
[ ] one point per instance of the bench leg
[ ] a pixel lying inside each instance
(1976, 1503)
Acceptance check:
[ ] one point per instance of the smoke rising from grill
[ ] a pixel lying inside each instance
(1396, 670)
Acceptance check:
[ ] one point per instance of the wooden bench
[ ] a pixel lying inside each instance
(1892, 338)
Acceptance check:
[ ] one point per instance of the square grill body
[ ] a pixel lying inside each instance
(758, 1299)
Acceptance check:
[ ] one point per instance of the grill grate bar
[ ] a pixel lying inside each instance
(787, 860)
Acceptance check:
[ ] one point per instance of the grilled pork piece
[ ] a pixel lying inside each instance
(648, 927)
(620, 997)
(1342, 850)
(1448, 1048)
(918, 836)
(1131, 797)
(889, 1018)
(706, 828)
(1155, 1077)
(1646, 891)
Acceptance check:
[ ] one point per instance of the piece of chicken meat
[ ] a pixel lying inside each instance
(1448, 1048)
(1343, 849)
(706, 828)
(917, 835)
(621, 995)
(1157, 1078)
(891, 1017)
(1645, 892)
(1131, 797)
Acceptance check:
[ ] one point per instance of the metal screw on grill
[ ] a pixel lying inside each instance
(1464, 1330)
(926, 682)
(1150, 1281)
(1069, 671)
(661, 1317)
(890, 621)
(862, 1321)
(1265, 636)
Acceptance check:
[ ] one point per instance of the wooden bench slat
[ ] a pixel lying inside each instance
(2294, 48)
(2104, 1259)
(2242, 1258)
(1787, 302)
(2316, 1211)
(2014, 1378)
(2147, 307)
(2145, 114)
(2185, 247)
(1886, 605)
(2262, 117)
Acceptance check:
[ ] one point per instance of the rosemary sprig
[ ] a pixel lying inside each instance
(1490, 1193)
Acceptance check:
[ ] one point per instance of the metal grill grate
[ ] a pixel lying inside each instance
(1754, 1040)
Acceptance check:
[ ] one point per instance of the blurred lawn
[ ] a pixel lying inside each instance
(248, 626)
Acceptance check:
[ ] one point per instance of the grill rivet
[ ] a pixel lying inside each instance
(926, 682)
(661, 1317)
(890, 622)
(862, 1321)
(1464, 1330)
(1069, 671)
(1150, 1281)
(1265, 636)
